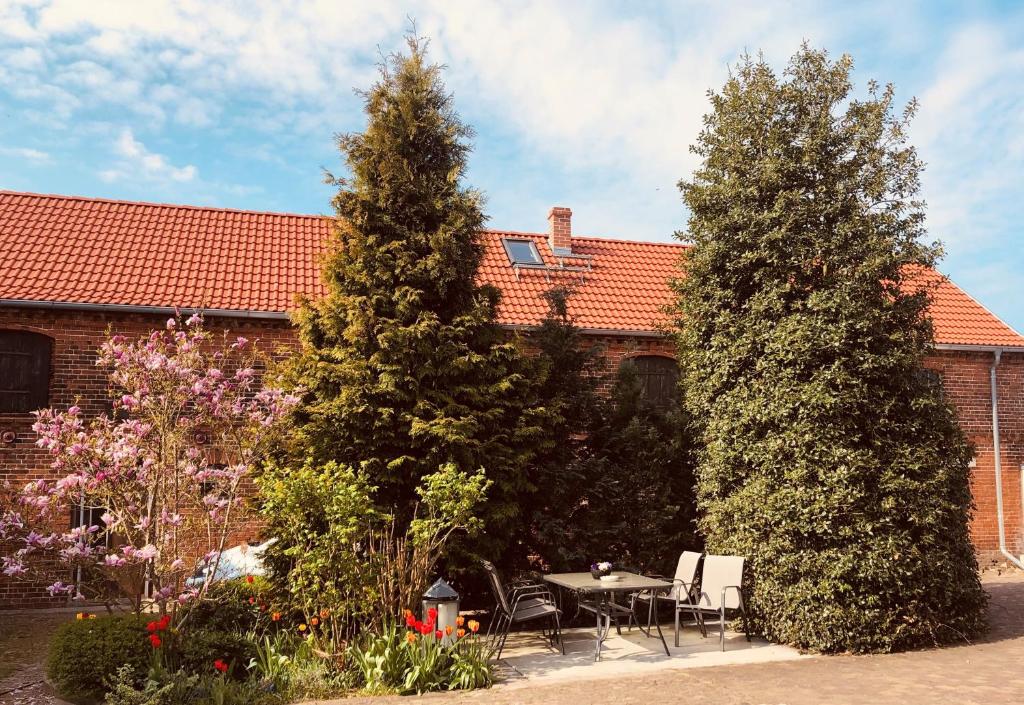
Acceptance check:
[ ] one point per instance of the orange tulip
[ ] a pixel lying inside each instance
(275, 617)
(314, 621)
(80, 615)
(461, 633)
(410, 637)
(460, 620)
(474, 626)
(325, 613)
(448, 630)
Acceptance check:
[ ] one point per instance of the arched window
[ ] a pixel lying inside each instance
(658, 377)
(24, 371)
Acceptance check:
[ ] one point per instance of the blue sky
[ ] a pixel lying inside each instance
(589, 105)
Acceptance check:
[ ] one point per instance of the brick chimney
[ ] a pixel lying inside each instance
(560, 230)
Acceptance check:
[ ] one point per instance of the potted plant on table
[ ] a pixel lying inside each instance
(599, 569)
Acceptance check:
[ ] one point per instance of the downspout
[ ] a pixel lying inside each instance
(997, 356)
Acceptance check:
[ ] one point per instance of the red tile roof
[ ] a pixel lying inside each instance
(95, 251)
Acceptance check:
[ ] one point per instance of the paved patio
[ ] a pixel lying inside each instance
(529, 661)
(987, 673)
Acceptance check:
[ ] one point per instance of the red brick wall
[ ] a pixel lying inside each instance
(966, 379)
(76, 379)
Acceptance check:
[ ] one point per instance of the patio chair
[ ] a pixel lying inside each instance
(721, 589)
(682, 592)
(521, 604)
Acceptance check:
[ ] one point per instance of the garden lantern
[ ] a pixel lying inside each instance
(445, 600)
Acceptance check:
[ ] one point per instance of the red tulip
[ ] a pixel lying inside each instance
(154, 641)
(220, 666)
(410, 621)
(249, 579)
(438, 634)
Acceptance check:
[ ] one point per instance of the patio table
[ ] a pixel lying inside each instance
(603, 593)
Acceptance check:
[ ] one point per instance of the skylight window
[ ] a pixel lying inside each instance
(522, 251)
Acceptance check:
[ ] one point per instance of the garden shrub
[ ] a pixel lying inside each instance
(829, 461)
(86, 654)
(227, 606)
(342, 561)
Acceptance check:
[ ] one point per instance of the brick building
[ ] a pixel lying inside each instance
(72, 268)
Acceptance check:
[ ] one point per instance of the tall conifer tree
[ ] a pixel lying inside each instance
(832, 460)
(403, 363)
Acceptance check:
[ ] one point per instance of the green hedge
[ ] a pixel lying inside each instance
(86, 654)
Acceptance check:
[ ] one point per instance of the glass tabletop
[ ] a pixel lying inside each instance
(585, 582)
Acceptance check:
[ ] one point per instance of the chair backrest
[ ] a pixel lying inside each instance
(719, 572)
(686, 570)
(496, 586)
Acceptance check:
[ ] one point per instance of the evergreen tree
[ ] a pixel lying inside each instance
(615, 481)
(829, 460)
(403, 364)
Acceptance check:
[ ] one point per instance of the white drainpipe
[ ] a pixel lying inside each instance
(997, 356)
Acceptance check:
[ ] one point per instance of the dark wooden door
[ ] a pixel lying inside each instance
(24, 370)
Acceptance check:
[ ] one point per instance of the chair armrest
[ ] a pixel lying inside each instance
(727, 588)
(540, 591)
(526, 586)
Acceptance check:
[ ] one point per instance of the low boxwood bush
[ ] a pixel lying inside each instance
(86, 654)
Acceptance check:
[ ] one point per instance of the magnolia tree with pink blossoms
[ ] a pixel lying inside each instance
(165, 473)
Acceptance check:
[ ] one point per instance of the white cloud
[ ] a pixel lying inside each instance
(136, 161)
(28, 154)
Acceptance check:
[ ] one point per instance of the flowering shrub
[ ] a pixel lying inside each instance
(180, 399)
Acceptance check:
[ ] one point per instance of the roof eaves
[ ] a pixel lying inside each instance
(125, 308)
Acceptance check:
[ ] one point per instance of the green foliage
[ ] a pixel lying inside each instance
(381, 659)
(199, 648)
(337, 551)
(829, 462)
(289, 667)
(126, 689)
(394, 660)
(641, 509)
(270, 662)
(182, 688)
(226, 606)
(319, 514)
(616, 482)
(402, 365)
(85, 654)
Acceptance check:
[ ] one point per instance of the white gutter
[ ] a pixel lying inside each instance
(979, 348)
(1000, 516)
